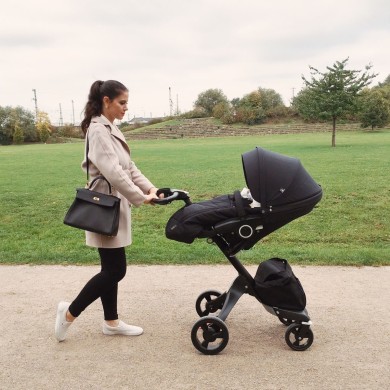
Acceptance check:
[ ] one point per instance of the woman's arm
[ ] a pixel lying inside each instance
(103, 156)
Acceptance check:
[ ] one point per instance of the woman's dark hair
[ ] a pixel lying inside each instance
(94, 106)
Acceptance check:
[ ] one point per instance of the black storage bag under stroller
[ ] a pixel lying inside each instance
(277, 286)
(197, 219)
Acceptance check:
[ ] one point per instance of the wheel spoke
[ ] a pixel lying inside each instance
(205, 344)
(295, 332)
(204, 327)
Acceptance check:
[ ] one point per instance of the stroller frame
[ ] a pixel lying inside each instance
(244, 284)
(210, 335)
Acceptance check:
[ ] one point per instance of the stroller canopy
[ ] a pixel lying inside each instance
(277, 180)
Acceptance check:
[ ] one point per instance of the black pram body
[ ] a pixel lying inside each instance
(279, 185)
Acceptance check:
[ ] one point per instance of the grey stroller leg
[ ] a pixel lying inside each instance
(238, 288)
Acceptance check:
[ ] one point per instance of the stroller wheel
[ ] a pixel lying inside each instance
(286, 321)
(209, 335)
(299, 337)
(207, 303)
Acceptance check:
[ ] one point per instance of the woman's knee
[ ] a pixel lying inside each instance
(119, 273)
(113, 262)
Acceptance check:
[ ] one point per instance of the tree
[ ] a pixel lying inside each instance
(306, 104)
(375, 109)
(269, 99)
(333, 94)
(18, 136)
(221, 109)
(43, 126)
(250, 110)
(6, 130)
(27, 122)
(209, 99)
(10, 118)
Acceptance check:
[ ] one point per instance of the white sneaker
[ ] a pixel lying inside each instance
(123, 329)
(62, 324)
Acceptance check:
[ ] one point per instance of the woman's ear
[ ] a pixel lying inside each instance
(106, 101)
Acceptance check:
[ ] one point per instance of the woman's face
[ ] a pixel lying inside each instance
(116, 108)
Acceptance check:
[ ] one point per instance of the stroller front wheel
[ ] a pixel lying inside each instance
(207, 303)
(299, 337)
(209, 335)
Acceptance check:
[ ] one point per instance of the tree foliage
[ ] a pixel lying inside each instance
(17, 120)
(333, 94)
(43, 126)
(209, 99)
(375, 108)
(250, 110)
(255, 107)
(18, 136)
(269, 99)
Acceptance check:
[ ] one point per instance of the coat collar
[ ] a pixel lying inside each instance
(113, 129)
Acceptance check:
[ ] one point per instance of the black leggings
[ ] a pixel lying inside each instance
(104, 284)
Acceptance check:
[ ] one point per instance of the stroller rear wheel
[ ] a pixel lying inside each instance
(299, 337)
(209, 335)
(207, 303)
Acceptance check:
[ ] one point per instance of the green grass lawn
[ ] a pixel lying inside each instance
(351, 225)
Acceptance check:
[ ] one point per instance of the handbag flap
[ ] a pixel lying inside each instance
(96, 197)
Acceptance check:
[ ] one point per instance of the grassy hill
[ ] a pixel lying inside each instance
(210, 127)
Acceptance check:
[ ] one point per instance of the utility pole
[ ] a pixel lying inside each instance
(73, 112)
(36, 104)
(177, 104)
(170, 103)
(61, 120)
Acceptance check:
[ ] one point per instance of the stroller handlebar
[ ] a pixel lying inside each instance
(171, 194)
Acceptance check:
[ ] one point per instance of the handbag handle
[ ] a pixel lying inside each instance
(101, 178)
(86, 154)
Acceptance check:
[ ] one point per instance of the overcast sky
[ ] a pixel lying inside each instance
(60, 48)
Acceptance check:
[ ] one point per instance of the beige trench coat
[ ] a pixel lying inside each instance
(109, 155)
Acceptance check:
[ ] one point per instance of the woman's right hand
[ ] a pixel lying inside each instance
(149, 198)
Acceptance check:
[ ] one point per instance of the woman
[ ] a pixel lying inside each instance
(109, 155)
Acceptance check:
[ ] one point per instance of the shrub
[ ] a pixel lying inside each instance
(250, 116)
(197, 112)
(221, 109)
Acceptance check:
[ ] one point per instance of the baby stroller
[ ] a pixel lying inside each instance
(279, 191)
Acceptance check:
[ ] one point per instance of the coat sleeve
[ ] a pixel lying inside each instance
(139, 179)
(103, 156)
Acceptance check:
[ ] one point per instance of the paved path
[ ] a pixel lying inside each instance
(349, 307)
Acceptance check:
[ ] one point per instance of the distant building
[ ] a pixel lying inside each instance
(139, 120)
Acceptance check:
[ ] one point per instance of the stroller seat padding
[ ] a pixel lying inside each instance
(197, 220)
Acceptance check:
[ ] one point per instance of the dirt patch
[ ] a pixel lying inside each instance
(349, 308)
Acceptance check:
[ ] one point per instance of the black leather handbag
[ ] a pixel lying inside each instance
(94, 211)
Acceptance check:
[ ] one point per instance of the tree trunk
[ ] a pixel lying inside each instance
(334, 132)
